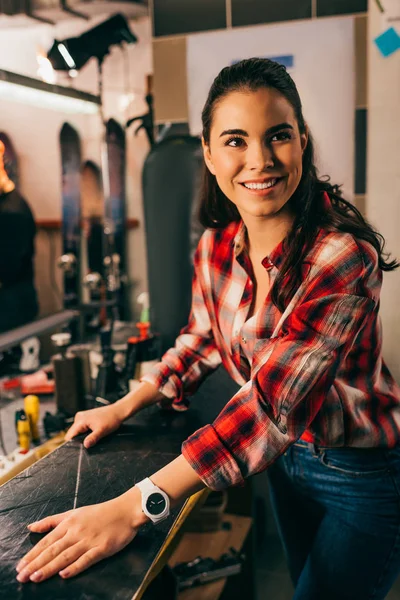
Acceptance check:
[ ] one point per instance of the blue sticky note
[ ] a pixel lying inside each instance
(287, 60)
(388, 42)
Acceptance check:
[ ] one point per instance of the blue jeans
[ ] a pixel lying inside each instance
(338, 514)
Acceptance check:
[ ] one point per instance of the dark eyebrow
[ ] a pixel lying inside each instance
(244, 133)
(235, 132)
(279, 127)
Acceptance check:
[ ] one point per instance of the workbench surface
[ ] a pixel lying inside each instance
(72, 476)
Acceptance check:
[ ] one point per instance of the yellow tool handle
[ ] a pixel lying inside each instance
(24, 433)
(32, 411)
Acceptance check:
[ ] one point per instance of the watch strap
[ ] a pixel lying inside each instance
(146, 486)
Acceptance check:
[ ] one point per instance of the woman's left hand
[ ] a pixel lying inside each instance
(81, 537)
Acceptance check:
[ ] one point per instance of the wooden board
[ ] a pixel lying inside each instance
(171, 541)
(211, 545)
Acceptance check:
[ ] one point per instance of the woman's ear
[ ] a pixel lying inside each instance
(304, 139)
(207, 156)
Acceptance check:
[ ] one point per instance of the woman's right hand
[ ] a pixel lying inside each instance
(101, 421)
(106, 419)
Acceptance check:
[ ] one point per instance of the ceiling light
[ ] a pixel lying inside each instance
(46, 100)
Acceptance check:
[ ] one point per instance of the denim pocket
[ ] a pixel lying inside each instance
(356, 462)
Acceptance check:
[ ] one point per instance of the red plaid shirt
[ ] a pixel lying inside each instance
(317, 370)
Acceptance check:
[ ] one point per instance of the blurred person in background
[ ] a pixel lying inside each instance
(18, 300)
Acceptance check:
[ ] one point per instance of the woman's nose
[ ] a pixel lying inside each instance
(259, 157)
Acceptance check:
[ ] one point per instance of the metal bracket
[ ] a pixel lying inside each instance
(29, 13)
(71, 11)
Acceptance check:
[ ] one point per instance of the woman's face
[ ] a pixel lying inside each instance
(255, 151)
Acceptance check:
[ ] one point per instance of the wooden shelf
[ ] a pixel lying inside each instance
(210, 545)
(55, 224)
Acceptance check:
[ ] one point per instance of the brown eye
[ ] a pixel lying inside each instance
(234, 142)
(282, 136)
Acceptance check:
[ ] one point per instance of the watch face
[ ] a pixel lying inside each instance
(155, 504)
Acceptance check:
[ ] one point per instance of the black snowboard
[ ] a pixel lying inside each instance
(92, 205)
(115, 213)
(70, 147)
(92, 248)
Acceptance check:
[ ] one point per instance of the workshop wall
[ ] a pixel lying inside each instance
(383, 172)
(325, 56)
(34, 132)
(324, 72)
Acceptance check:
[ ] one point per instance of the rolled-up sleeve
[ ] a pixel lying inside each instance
(194, 356)
(291, 375)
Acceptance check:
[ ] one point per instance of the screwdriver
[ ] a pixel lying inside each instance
(32, 409)
(23, 431)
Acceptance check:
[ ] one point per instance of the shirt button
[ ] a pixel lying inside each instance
(244, 340)
(267, 264)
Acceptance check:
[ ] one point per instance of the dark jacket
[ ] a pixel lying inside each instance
(18, 301)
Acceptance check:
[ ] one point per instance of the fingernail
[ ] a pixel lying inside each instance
(21, 565)
(36, 576)
(64, 573)
(23, 577)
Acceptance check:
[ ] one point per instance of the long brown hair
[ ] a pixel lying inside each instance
(311, 211)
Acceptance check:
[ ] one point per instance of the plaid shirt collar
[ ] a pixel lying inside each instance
(276, 257)
(239, 243)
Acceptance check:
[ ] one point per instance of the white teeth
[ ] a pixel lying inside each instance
(260, 186)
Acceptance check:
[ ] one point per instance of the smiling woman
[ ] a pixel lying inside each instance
(258, 160)
(286, 295)
(254, 131)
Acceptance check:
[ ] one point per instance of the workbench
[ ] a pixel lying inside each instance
(72, 476)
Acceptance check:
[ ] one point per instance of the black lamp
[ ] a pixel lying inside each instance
(73, 53)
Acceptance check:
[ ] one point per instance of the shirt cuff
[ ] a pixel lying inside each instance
(170, 386)
(211, 459)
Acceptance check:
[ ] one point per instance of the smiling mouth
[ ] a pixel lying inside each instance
(265, 185)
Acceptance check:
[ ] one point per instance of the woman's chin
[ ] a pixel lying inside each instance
(260, 212)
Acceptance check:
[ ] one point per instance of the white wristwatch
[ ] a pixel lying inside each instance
(155, 502)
